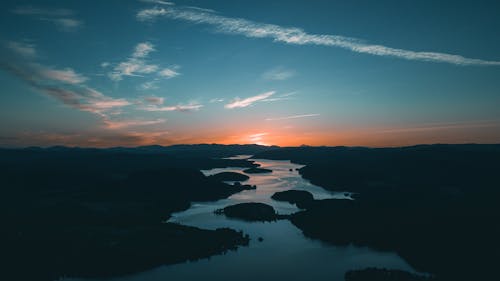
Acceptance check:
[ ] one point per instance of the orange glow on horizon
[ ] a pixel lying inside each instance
(269, 134)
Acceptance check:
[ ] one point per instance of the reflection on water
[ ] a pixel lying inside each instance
(284, 254)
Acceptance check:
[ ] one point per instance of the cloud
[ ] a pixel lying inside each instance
(287, 96)
(179, 107)
(238, 103)
(62, 18)
(257, 138)
(36, 73)
(150, 14)
(63, 85)
(136, 65)
(83, 99)
(149, 85)
(154, 100)
(278, 74)
(155, 104)
(158, 2)
(143, 49)
(216, 100)
(297, 36)
(131, 123)
(168, 73)
(22, 48)
(66, 75)
(293, 117)
(67, 24)
(131, 67)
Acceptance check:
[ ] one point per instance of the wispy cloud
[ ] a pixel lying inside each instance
(136, 65)
(66, 24)
(156, 104)
(282, 97)
(297, 36)
(158, 2)
(63, 85)
(66, 75)
(62, 18)
(168, 73)
(143, 49)
(22, 48)
(154, 100)
(149, 85)
(278, 74)
(238, 103)
(110, 124)
(179, 107)
(293, 117)
(257, 138)
(216, 100)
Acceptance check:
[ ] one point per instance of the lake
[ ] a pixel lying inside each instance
(284, 253)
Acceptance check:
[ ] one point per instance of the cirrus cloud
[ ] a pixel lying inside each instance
(239, 103)
(297, 36)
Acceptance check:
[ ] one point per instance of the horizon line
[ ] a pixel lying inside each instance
(234, 144)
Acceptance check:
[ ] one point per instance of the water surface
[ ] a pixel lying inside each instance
(284, 253)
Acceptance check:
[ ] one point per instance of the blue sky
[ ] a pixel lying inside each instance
(375, 73)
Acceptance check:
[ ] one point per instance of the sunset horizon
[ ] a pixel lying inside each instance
(212, 72)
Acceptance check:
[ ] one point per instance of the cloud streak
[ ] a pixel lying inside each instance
(156, 104)
(110, 124)
(63, 85)
(297, 36)
(293, 117)
(62, 18)
(278, 74)
(23, 49)
(179, 107)
(239, 103)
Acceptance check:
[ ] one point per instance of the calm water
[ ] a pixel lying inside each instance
(284, 254)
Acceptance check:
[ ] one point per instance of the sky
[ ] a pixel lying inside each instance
(356, 73)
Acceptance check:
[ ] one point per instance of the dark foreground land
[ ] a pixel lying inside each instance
(100, 213)
(437, 206)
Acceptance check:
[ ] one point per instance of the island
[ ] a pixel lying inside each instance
(230, 176)
(301, 198)
(256, 170)
(250, 212)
